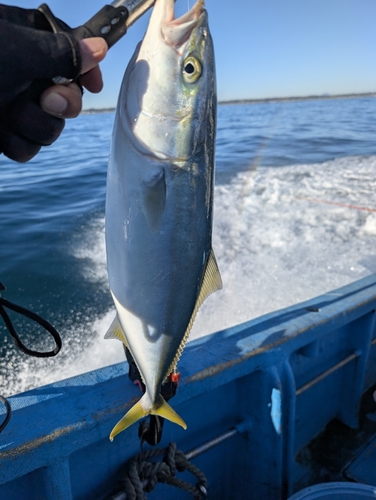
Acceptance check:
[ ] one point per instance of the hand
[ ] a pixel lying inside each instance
(32, 109)
(66, 101)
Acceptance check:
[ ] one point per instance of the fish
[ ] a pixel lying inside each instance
(159, 200)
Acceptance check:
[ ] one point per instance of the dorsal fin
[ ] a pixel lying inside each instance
(211, 282)
(116, 332)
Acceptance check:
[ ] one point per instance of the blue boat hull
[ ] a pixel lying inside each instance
(270, 385)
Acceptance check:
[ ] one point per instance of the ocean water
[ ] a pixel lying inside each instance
(295, 216)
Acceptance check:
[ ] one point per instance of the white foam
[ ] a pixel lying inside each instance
(92, 252)
(281, 235)
(20, 373)
(284, 235)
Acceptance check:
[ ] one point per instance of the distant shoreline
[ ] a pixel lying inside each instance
(260, 101)
(305, 98)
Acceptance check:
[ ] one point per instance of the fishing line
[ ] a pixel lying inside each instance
(338, 204)
(254, 165)
(251, 173)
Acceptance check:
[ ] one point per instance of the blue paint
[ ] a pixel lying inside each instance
(276, 410)
(363, 469)
(274, 379)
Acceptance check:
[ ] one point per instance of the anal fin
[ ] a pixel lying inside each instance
(211, 282)
(115, 331)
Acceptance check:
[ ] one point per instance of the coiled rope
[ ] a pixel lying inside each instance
(143, 473)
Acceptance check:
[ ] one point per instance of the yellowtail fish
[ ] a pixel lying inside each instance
(159, 203)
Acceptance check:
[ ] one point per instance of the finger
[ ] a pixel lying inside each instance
(27, 119)
(48, 55)
(62, 101)
(92, 80)
(93, 50)
(18, 149)
(40, 54)
(30, 18)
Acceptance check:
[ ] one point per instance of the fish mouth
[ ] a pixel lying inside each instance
(156, 112)
(176, 31)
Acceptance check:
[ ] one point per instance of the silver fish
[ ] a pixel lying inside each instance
(161, 266)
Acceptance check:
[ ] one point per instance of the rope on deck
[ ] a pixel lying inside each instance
(143, 473)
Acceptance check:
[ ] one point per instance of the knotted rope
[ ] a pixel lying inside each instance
(143, 473)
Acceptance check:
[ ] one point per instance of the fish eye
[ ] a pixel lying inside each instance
(191, 69)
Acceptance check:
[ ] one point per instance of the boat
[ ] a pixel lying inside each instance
(273, 406)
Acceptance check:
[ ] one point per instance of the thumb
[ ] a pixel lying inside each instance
(93, 50)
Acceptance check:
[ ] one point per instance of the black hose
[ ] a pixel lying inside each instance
(35, 317)
(8, 415)
(16, 339)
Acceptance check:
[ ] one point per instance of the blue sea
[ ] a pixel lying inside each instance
(295, 216)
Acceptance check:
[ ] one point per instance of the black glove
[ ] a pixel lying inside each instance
(30, 56)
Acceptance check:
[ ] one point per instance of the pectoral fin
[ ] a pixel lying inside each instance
(154, 189)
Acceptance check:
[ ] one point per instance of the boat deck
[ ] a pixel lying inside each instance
(340, 453)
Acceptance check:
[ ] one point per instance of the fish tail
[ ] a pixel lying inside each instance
(140, 410)
(163, 409)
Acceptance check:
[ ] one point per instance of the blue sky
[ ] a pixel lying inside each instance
(264, 48)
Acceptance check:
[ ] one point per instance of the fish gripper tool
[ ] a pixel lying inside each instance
(111, 23)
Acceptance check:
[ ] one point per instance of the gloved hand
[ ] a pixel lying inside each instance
(32, 108)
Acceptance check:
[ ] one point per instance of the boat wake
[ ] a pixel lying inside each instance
(281, 235)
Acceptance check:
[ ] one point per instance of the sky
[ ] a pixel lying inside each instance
(264, 48)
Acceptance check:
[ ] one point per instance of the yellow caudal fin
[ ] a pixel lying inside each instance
(138, 411)
(164, 410)
(134, 414)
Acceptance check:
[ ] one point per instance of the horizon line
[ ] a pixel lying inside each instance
(261, 100)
